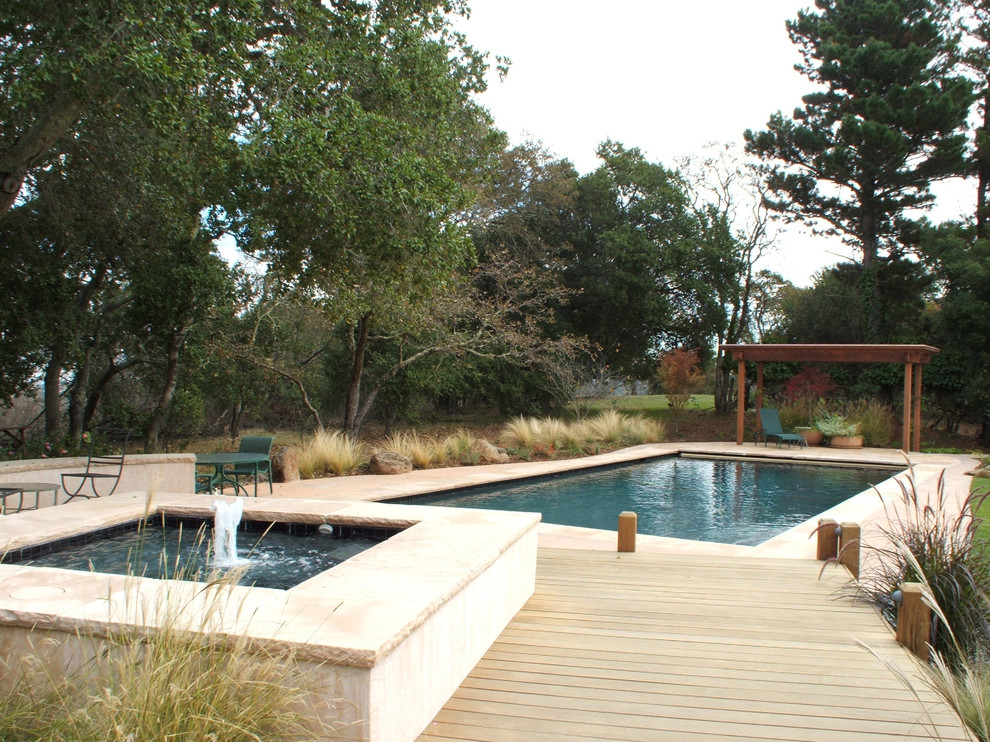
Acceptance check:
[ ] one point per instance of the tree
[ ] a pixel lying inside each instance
(881, 127)
(632, 271)
(680, 376)
(60, 61)
(959, 321)
(976, 57)
(729, 197)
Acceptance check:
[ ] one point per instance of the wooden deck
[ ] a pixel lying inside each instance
(652, 647)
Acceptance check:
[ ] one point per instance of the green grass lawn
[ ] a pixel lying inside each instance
(653, 404)
(981, 486)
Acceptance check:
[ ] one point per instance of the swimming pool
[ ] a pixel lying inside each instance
(725, 501)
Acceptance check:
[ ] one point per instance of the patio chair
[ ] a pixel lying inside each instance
(771, 428)
(104, 468)
(254, 444)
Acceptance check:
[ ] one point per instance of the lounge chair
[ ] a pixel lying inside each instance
(104, 468)
(772, 428)
(254, 444)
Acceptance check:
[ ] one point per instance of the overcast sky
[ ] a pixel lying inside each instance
(662, 75)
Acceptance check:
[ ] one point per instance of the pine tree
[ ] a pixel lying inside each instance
(883, 123)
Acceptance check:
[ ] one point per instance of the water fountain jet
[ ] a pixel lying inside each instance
(225, 522)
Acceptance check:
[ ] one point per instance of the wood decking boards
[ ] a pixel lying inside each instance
(652, 647)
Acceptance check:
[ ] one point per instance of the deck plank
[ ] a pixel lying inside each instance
(658, 647)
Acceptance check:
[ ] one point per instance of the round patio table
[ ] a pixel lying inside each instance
(219, 478)
(9, 490)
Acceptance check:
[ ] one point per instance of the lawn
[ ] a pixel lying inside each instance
(981, 487)
(654, 404)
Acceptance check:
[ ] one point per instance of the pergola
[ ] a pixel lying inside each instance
(912, 356)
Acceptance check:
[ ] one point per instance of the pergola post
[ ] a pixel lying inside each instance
(908, 387)
(759, 393)
(740, 401)
(917, 408)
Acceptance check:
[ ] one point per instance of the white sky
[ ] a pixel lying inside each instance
(665, 76)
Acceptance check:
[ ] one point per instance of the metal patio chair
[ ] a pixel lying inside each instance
(100, 467)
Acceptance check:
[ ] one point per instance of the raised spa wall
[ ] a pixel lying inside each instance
(389, 634)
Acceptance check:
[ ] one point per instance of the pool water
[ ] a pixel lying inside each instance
(726, 501)
(279, 558)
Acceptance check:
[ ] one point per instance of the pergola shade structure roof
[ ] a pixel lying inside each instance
(912, 356)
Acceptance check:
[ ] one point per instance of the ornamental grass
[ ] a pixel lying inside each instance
(181, 681)
(331, 452)
(928, 541)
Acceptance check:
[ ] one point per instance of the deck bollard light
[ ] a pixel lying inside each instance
(627, 531)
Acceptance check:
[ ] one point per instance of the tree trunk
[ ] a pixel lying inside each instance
(96, 393)
(171, 381)
(53, 392)
(352, 424)
(236, 411)
(869, 286)
(78, 395)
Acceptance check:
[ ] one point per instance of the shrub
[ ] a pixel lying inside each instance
(876, 421)
(808, 386)
(680, 376)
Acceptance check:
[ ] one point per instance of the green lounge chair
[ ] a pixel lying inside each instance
(772, 428)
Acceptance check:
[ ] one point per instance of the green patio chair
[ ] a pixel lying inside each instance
(771, 428)
(254, 444)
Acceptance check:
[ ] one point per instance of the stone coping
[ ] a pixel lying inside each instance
(355, 613)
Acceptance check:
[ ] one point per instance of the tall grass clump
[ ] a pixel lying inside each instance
(923, 542)
(609, 427)
(181, 681)
(876, 420)
(605, 427)
(639, 430)
(520, 433)
(330, 452)
(422, 450)
(457, 446)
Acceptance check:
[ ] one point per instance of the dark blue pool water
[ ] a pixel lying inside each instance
(279, 558)
(733, 502)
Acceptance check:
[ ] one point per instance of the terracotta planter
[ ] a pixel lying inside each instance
(846, 441)
(811, 436)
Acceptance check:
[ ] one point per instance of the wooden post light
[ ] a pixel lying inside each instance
(849, 548)
(828, 540)
(627, 531)
(914, 619)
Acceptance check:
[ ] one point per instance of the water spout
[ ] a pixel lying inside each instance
(228, 516)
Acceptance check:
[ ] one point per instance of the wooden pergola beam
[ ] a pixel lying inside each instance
(912, 356)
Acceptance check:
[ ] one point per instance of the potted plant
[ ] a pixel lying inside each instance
(812, 435)
(840, 432)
